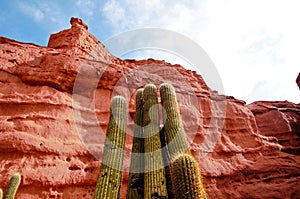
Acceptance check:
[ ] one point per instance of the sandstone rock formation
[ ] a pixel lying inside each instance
(280, 119)
(54, 108)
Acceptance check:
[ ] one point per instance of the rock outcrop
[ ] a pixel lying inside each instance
(54, 109)
(279, 119)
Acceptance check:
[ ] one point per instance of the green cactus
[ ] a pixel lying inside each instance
(154, 177)
(172, 133)
(167, 161)
(136, 177)
(109, 180)
(1, 194)
(186, 178)
(173, 128)
(12, 186)
(148, 178)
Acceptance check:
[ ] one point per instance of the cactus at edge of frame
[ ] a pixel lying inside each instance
(109, 180)
(12, 186)
(186, 178)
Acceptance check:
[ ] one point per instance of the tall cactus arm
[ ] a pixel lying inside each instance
(136, 177)
(109, 180)
(173, 128)
(154, 178)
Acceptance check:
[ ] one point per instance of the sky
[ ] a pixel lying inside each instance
(254, 44)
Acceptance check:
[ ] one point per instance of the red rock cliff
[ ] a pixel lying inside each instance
(46, 98)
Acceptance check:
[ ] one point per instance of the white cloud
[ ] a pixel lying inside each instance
(249, 41)
(49, 14)
(249, 47)
(32, 11)
(114, 12)
(130, 14)
(86, 7)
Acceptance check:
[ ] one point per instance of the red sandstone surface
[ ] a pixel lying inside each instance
(280, 119)
(50, 135)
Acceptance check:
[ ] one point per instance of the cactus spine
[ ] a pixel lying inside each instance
(109, 181)
(12, 186)
(136, 177)
(187, 180)
(154, 179)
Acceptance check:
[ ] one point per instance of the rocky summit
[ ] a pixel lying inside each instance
(54, 110)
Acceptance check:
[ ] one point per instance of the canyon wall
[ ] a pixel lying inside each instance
(54, 110)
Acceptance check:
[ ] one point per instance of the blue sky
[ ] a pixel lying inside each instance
(254, 44)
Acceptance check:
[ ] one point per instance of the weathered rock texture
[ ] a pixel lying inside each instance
(279, 119)
(54, 109)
